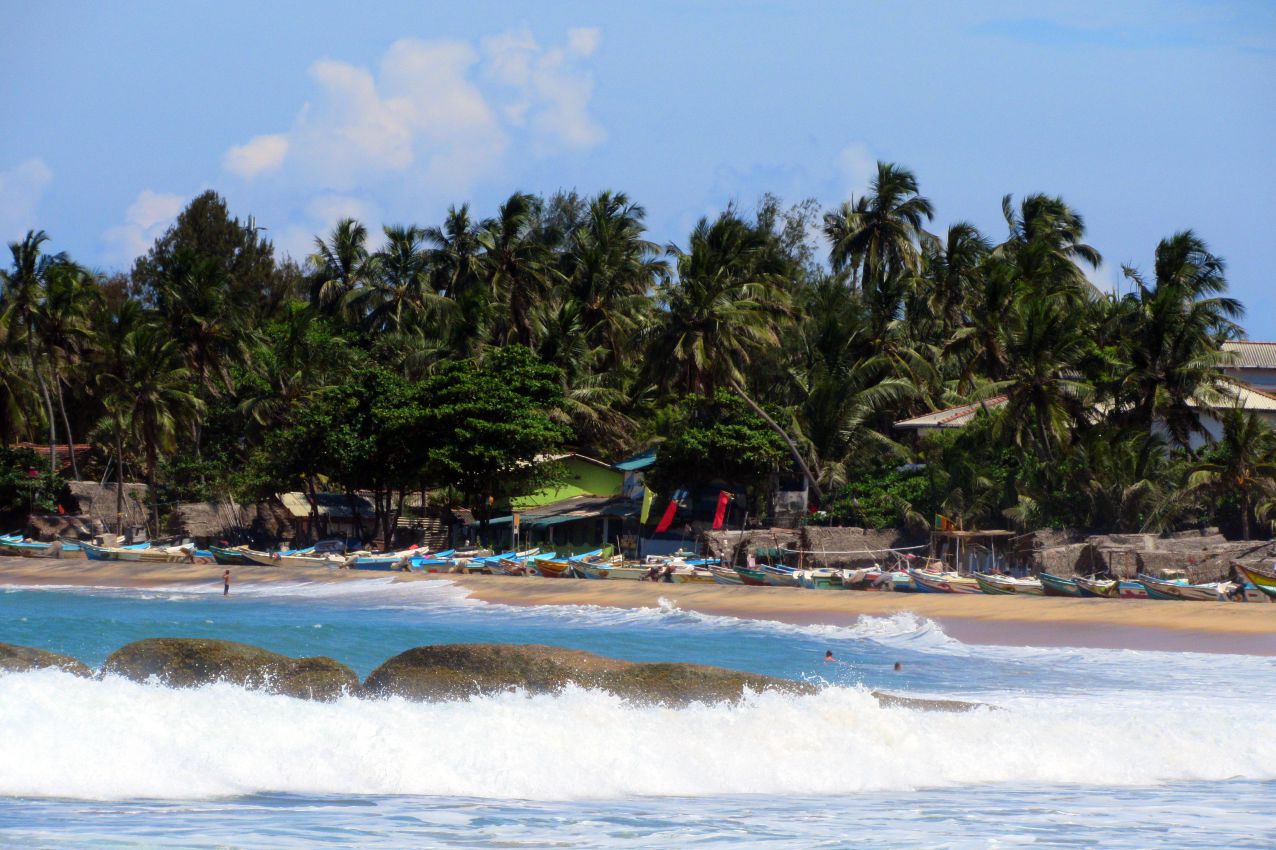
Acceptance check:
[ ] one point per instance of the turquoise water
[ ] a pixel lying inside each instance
(1083, 748)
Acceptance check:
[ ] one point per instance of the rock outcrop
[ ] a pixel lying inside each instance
(455, 671)
(19, 659)
(190, 662)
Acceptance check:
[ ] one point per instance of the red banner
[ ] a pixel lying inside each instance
(720, 515)
(667, 519)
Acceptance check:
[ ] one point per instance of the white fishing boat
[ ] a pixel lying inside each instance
(152, 554)
(275, 559)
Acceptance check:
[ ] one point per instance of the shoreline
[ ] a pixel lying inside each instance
(1219, 627)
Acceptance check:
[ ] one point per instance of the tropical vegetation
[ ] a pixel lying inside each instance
(773, 342)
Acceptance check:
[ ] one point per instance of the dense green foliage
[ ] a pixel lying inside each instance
(451, 357)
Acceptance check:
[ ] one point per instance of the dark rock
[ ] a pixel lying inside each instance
(455, 671)
(190, 662)
(19, 659)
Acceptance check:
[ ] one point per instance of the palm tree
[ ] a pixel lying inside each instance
(1046, 246)
(720, 314)
(879, 236)
(457, 273)
(337, 265)
(1171, 335)
(611, 270)
(1242, 465)
(63, 323)
(398, 292)
(952, 274)
(1046, 394)
(515, 265)
(23, 292)
(149, 397)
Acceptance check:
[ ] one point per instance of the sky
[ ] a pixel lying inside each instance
(1147, 117)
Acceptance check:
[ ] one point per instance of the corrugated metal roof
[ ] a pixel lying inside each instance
(1246, 397)
(950, 417)
(1252, 355)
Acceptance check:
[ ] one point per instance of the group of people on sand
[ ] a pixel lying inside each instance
(659, 572)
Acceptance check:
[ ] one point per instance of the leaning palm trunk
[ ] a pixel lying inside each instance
(788, 441)
(66, 422)
(48, 404)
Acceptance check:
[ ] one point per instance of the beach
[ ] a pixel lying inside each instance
(1221, 627)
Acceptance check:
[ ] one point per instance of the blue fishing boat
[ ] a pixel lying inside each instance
(1052, 585)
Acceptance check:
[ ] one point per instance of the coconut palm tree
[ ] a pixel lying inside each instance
(150, 395)
(879, 236)
(610, 271)
(63, 323)
(337, 265)
(1046, 245)
(398, 293)
(1241, 466)
(1171, 333)
(951, 275)
(722, 312)
(516, 266)
(23, 288)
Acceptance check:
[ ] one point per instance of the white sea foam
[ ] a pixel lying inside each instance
(115, 739)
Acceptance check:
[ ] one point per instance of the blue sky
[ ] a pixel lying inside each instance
(1147, 117)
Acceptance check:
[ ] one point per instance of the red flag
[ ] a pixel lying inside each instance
(720, 515)
(667, 519)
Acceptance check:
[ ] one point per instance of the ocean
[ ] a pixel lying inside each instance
(1076, 747)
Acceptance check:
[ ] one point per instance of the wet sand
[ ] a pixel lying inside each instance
(1246, 628)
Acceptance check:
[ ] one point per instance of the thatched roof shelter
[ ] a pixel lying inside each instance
(97, 502)
(210, 520)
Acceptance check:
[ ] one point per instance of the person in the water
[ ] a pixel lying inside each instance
(226, 583)
(828, 655)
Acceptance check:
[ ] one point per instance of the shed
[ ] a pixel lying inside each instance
(97, 502)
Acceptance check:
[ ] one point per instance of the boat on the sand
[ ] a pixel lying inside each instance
(1053, 585)
(1103, 588)
(1264, 580)
(1179, 589)
(927, 582)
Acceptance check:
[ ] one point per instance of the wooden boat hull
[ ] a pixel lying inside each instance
(942, 584)
(729, 577)
(1159, 589)
(1099, 588)
(151, 556)
(820, 579)
(753, 578)
(229, 557)
(780, 578)
(991, 587)
(554, 569)
(1264, 580)
(604, 571)
(694, 577)
(1052, 585)
(268, 559)
(1131, 590)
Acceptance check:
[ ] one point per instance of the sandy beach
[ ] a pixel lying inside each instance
(972, 618)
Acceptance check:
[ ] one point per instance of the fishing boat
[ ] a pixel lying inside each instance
(780, 576)
(752, 577)
(281, 559)
(1131, 590)
(1179, 589)
(692, 575)
(1053, 585)
(612, 568)
(821, 578)
(721, 575)
(562, 567)
(32, 548)
(943, 582)
(229, 556)
(989, 584)
(1103, 588)
(150, 554)
(1264, 580)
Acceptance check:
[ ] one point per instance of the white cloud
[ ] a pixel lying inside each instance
(439, 112)
(583, 41)
(260, 154)
(857, 166)
(21, 189)
(144, 221)
(545, 91)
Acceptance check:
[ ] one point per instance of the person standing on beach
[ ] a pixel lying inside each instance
(226, 583)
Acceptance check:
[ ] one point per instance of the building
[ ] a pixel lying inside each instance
(1253, 364)
(1237, 393)
(344, 515)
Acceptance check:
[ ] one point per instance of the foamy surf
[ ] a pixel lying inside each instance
(115, 739)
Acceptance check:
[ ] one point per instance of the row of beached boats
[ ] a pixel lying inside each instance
(679, 568)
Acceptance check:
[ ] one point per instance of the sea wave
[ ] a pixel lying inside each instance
(64, 736)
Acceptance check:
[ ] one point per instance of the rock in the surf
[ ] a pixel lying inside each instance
(456, 671)
(190, 662)
(19, 659)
